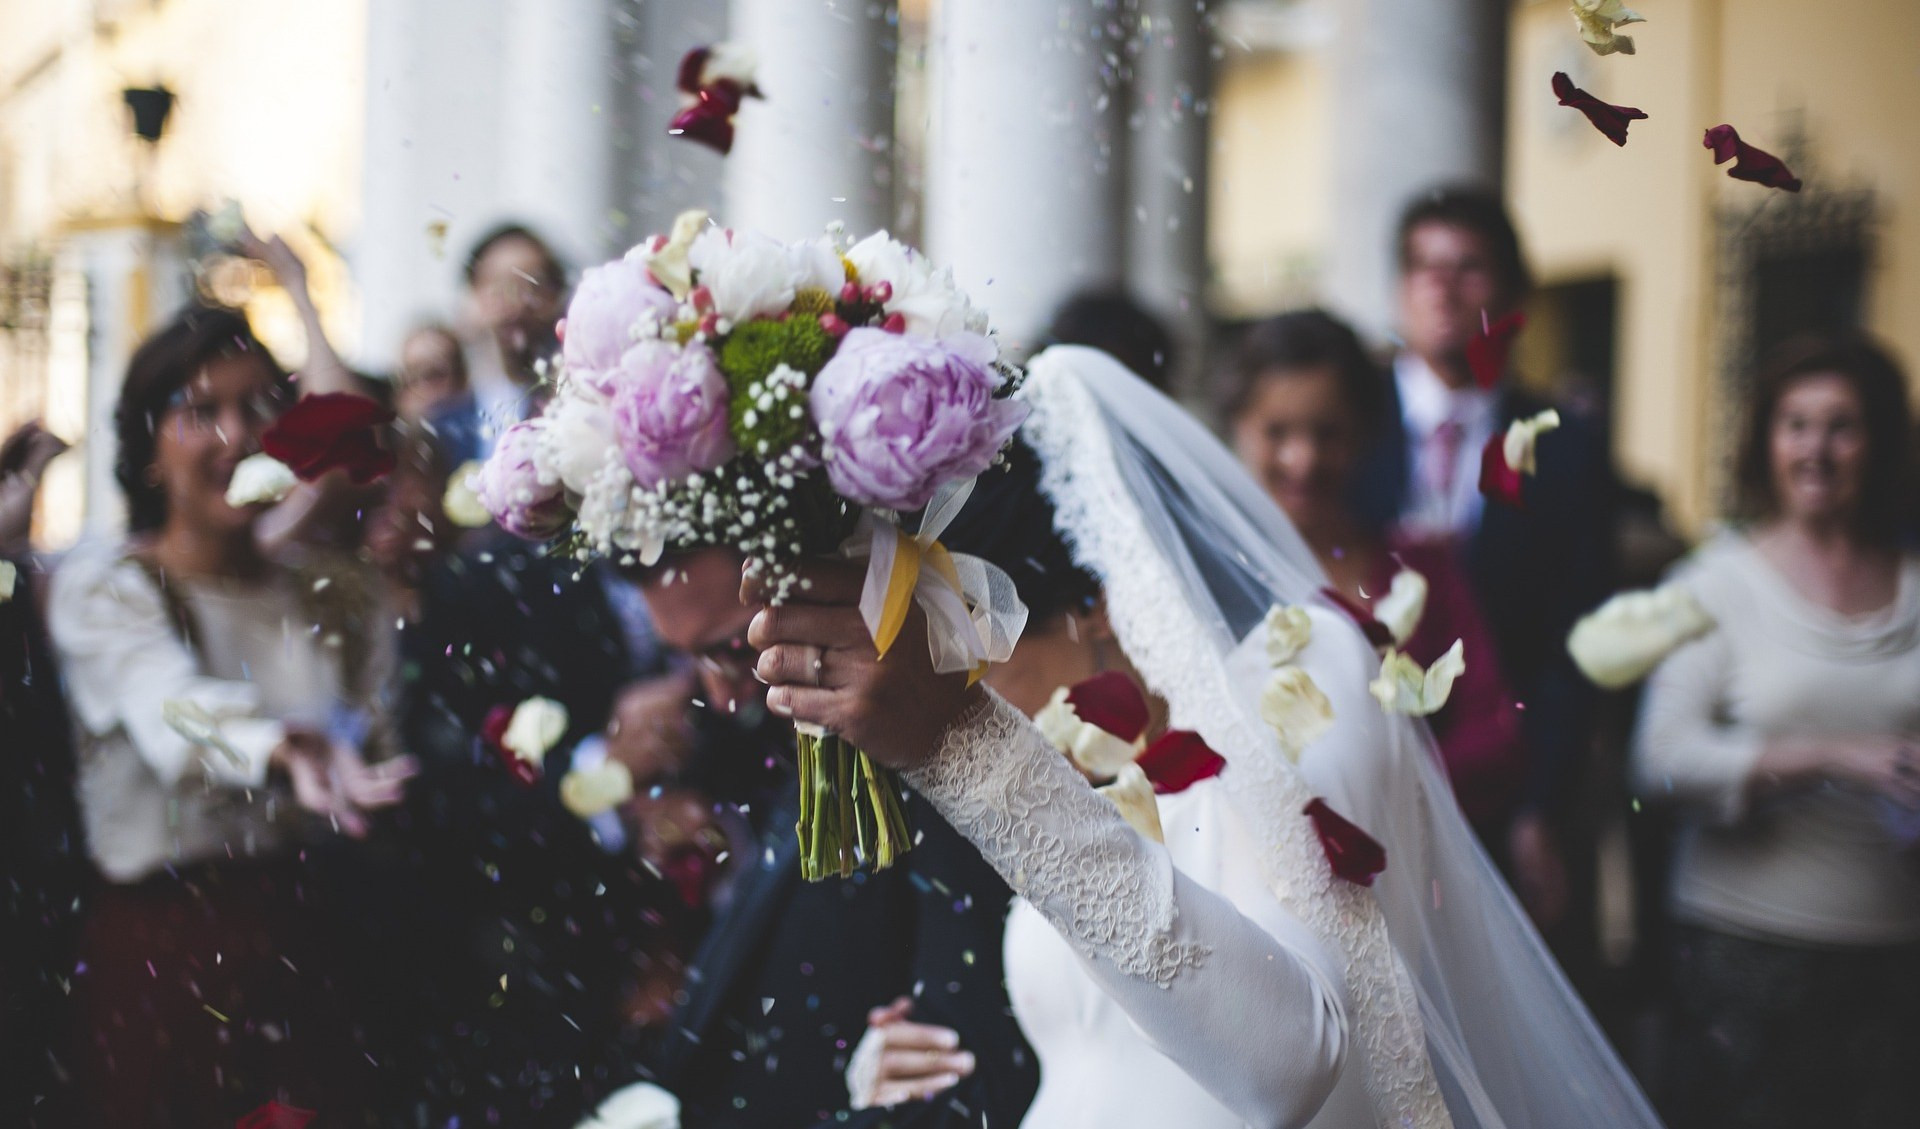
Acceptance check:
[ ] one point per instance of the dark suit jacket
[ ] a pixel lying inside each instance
(779, 992)
(483, 881)
(1535, 572)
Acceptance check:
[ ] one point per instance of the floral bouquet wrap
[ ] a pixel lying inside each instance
(784, 400)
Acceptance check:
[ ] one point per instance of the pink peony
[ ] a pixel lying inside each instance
(610, 300)
(902, 415)
(669, 411)
(513, 490)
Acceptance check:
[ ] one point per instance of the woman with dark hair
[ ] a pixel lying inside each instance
(1305, 402)
(1791, 736)
(225, 710)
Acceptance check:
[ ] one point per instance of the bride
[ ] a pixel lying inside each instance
(1228, 977)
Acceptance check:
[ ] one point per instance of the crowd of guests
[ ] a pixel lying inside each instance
(355, 903)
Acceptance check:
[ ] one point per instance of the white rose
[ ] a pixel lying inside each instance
(1296, 708)
(1399, 611)
(748, 273)
(1522, 435)
(259, 478)
(461, 502)
(588, 792)
(1403, 687)
(815, 264)
(537, 726)
(578, 440)
(1132, 793)
(1621, 641)
(926, 298)
(1289, 630)
(642, 1105)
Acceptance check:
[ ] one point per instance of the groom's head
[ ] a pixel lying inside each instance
(695, 601)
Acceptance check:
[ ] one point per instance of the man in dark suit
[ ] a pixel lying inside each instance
(778, 996)
(1535, 570)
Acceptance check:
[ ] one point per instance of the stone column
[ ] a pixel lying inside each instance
(555, 138)
(1418, 100)
(1025, 162)
(819, 146)
(1170, 127)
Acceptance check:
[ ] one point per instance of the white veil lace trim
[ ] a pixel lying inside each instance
(1185, 663)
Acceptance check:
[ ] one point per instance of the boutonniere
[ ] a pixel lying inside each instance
(1509, 456)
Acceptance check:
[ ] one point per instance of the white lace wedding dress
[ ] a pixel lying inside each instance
(1229, 977)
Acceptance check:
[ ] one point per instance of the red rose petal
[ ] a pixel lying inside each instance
(706, 122)
(1487, 352)
(1749, 163)
(691, 64)
(1179, 760)
(1112, 702)
(1375, 631)
(493, 730)
(274, 1115)
(1498, 481)
(1353, 854)
(331, 431)
(1606, 117)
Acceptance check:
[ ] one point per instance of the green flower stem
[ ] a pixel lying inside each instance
(851, 812)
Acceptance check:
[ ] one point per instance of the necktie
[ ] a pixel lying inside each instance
(1443, 462)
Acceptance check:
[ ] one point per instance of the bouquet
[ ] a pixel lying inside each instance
(721, 388)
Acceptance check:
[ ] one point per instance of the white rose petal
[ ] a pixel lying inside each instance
(669, 263)
(642, 1105)
(1621, 641)
(536, 727)
(260, 478)
(732, 61)
(1522, 434)
(1289, 630)
(461, 502)
(587, 792)
(1091, 747)
(1132, 793)
(1296, 708)
(1399, 611)
(9, 577)
(1404, 688)
(199, 726)
(816, 265)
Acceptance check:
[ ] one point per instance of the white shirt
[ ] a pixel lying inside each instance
(1426, 402)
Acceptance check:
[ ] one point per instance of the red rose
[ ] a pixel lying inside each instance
(1606, 117)
(1487, 352)
(1351, 852)
(331, 431)
(1112, 702)
(1178, 761)
(273, 1115)
(493, 731)
(1749, 163)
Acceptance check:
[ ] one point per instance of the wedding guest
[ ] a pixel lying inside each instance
(1305, 401)
(516, 292)
(1790, 736)
(1461, 269)
(205, 984)
(1115, 323)
(783, 985)
(432, 371)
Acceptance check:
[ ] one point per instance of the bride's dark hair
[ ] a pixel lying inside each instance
(1009, 522)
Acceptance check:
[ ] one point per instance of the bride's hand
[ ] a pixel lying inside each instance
(897, 1061)
(820, 665)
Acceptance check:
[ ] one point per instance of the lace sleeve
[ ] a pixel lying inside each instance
(1251, 1008)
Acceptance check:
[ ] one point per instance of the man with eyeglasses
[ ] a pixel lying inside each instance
(780, 992)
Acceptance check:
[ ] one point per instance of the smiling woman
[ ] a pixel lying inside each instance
(214, 693)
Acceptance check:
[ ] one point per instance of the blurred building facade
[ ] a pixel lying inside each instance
(1661, 280)
(1220, 158)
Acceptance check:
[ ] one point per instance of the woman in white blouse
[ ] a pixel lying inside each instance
(1791, 736)
(202, 990)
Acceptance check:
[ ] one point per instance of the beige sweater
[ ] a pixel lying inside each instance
(1822, 865)
(149, 797)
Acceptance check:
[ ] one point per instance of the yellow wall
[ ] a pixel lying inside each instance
(1268, 188)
